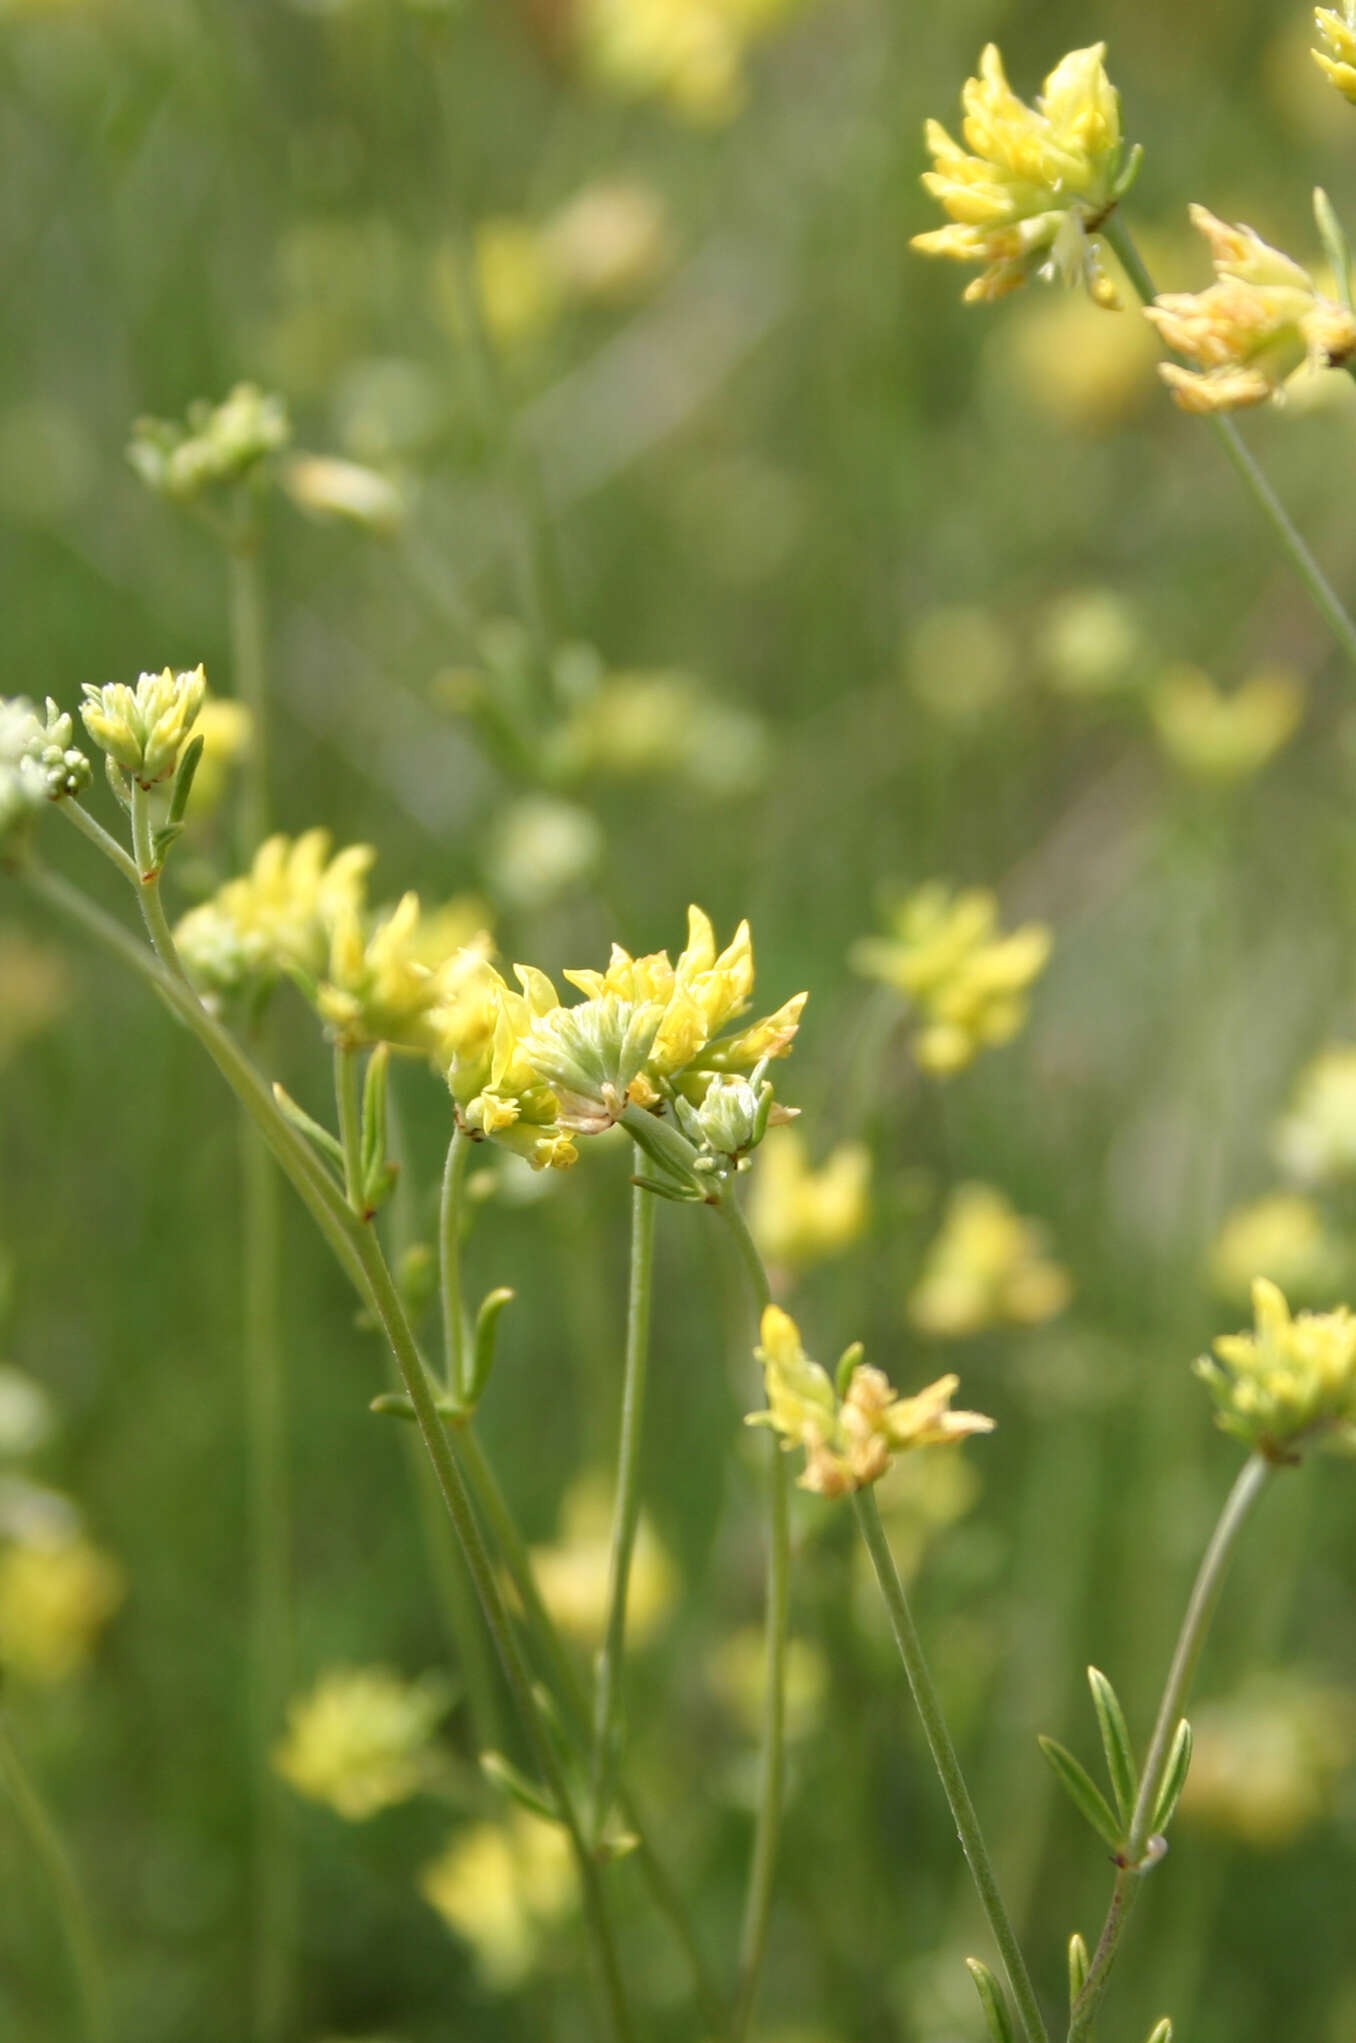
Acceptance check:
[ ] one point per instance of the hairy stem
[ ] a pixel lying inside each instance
(1252, 1479)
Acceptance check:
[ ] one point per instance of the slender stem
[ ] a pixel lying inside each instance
(455, 1358)
(249, 654)
(1292, 543)
(148, 881)
(101, 839)
(947, 1764)
(626, 1508)
(1251, 1481)
(48, 1849)
(350, 1124)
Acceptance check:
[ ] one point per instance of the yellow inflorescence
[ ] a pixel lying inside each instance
(360, 1741)
(968, 983)
(1225, 738)
(502, 1887)
(1283, 1236)
(1037, 181)
(987, 1267)
(56, 1596)
(691, 53)
(1339, 33)
(801, 1216)
(1316, 1141)
(276, 918)
(143, 728)
(573, 1574)
(1265, 1761)
(1289, 1381)
(850, 1438)
(1261, 320)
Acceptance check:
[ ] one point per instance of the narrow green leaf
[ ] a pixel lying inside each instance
(847, 1363)
(392, 1404)
(374, 1113)
(183, 779)
(516, 1784)
(1120, 1759)
(312, 1130)
(1083, 1791)
(1174, 1778)
(1161, 2031)
(1078, 1967)
(1334, 244)
(992, 2001)
(487, 1327)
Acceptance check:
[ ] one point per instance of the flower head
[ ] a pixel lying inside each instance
(1261, 320)
(1339, 33)
(1285, 1236)
(376, 987)
(38, 762)
(502, 1887)
(573, 1572)
(1225, 738)
(850, 1434)
(360, 1741)
(143, 729)
(277, 917)
(987, 1267)
(968, 983)
(57, 1592)
(1039, 180)
(801, 1216)
(1316, 1141)
(1290, 1380)
(689, 52)
(221, 443)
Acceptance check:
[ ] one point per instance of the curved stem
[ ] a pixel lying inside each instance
(148, 882)
(48, 1849)
(1292, 543)
(101, 839)
(455, 1360)
(947, 1764)
(625, 1511)
(1252, 1479)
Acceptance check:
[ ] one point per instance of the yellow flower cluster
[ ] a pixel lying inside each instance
(1339, 33)
(502, 1887)
(143, 729)
(968, 982)
(536, 1075)
(57, 1592)
(801, 1216)
(851, 1433)
(276, 917)
(606, 244)
(218, 443)
(1265, 1761)
(1261, 320)
(1316, 1141)
(1225, 738)
(1288, 1380)
(574, 1574)
(361, 1740)
(689, 52)
(986, 1268)
(1038, 181)
(1283, 1236)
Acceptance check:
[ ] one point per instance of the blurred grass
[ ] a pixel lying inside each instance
(769, 471)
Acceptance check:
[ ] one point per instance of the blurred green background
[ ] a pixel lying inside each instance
(930, 570)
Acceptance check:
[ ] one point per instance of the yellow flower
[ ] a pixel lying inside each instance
(1282, 1236)
(573, 1574)
(361, 1740)
(987, 1267)
(1288, 1380)
(226, 729)
(737, 1673)
(1265, 1761)
(1339, 33)
(56, 1595)
(1261, 320)
(1316, 1141)
(1039, 181)
(277, 917)
(1225, 738)
(502, 1887)
(689, 52)
(218, 444)
(850, 1436)
(800, 1216)
(609, 240)
(35, 987)
(376, 987)
(968, 983)
(327, 487)
(143, 728)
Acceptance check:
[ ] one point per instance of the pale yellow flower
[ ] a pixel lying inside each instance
(691, 53)
(143, 729)
(987, 1267)
(1316, 1141)
(849, 1436)
(574, 1572)
(968, 983)
(1038, 181)
(1265, 1761)
(609, 241)
(35, 987)
(57, 1593)
(1289, 1381)
(376, 987)
(226, 729)
(277, 917)
(1214, 736)
(737, 1672)
(218, 444)
(327, 487)
(361, 1740)
(800, 1216)
(1339, 33)
(1283, 1236)
(502, 1887)
(1262, 320)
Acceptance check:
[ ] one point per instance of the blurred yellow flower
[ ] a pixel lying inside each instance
(850, 1435)
(1261, 320)
(1040, 181)
(573, 1573)
(35, 987)
(217, 444)
(225, 727)
(1283, 1236)
(1089, 641)
(57, 1592)
(800, 1216)
(962, 663)
(361, 1740)
(968, 983)
(276, 918)
(1265, 1761)
(1219, 737)
(609, 241)
(502, 1887)
(1316, 1141)
(1289, 1380)
(327, 487)
(737, 1673)
(987, 1267)
(1086, 373)
(689, 52)
(1339, 33)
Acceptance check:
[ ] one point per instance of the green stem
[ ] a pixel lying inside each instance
(455, 1359)
(48, 1849)
(625, 1511)
(947, 1764)
(1292, 543)
(148, 881)
(76, 813)
(1252, 1479)
(350, 1122)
